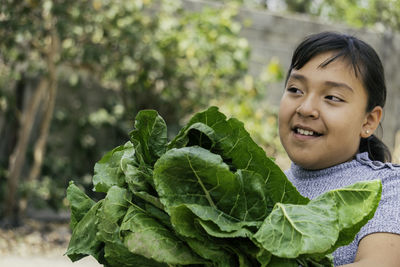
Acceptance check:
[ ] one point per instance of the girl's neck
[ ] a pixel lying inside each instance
(300, 172)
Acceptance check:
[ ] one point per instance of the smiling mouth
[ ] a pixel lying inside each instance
(305, 132)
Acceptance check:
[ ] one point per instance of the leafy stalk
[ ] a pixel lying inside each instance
(209, 197)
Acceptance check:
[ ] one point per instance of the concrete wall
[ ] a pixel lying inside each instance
(272, 35)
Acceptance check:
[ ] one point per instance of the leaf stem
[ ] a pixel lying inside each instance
(207, 195)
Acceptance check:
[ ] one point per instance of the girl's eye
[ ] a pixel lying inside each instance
(294, 90)
(334, 98)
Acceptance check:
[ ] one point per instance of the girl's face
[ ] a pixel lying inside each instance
(322, 113)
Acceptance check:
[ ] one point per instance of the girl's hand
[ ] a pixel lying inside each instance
(378, 249)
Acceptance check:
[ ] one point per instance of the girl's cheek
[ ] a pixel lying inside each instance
(285, 106)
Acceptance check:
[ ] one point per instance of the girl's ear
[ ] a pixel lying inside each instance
(371, 122)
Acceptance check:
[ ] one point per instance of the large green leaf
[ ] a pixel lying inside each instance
(214, 230)
(192, 220)
(149, 136)
(144, 235)
(194, 175)
(79, 204)
(84, 239)
(195, 133)
(212, 198)
(110, 215)
(254, 197)
(213, 251)
(318, 228)
(158, 214)
(230, 139)
(291, 230)
(117, 255)
(282, 262)
(356, 205)
(107, 171)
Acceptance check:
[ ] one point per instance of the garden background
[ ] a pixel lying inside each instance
(73, 75)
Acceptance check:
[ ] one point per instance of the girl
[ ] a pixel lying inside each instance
(333, 103)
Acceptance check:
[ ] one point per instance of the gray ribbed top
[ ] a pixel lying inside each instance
(387, 216)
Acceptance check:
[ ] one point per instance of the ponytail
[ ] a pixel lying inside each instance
(376, 149)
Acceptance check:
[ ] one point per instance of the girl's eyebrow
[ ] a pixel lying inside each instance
(297, 76)
(331, 84)
(338, 84)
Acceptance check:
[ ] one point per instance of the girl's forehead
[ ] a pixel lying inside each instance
(327, 58)
(332, 62)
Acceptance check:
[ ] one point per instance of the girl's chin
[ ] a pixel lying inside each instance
(309, 163)
(315, 160)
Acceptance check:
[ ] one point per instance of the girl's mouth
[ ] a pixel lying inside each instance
(306, 132)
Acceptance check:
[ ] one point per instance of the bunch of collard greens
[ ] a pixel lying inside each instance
(209, 197)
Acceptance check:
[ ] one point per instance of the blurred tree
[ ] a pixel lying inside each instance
(150, 53)
(29, 49)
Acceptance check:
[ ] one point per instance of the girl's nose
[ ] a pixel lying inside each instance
(308, 109)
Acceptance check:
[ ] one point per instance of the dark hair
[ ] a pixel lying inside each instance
(366, 64)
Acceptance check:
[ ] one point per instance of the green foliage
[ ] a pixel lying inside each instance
(177, 56)
(361, 13)
(144, 49)
(380, 14)
(208, 197)
(113, 58)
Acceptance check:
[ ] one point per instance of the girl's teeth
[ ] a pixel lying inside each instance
(304, 132)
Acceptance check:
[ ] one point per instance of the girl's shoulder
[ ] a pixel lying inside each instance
(389, 167)
(387, 172)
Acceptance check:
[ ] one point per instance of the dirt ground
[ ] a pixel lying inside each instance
(38, 244)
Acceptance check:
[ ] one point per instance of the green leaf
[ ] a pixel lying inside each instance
(292, 230)
(214, 230)
(108, 172)
(213, 251)
(150, 135)
(137, 176)
(79, 203)
(282, 262)
(155, 201)
(118, 255)
(195, 134)
(356, 205)
(84, 239)
(254, 203)
(110, 215)
(325, 223)
(326, 261)
(230, 139)
(146, 236)
(158, 214)
(263, 257)
(191, 219)
(194, 175)
(242, 259)
(184, 222)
